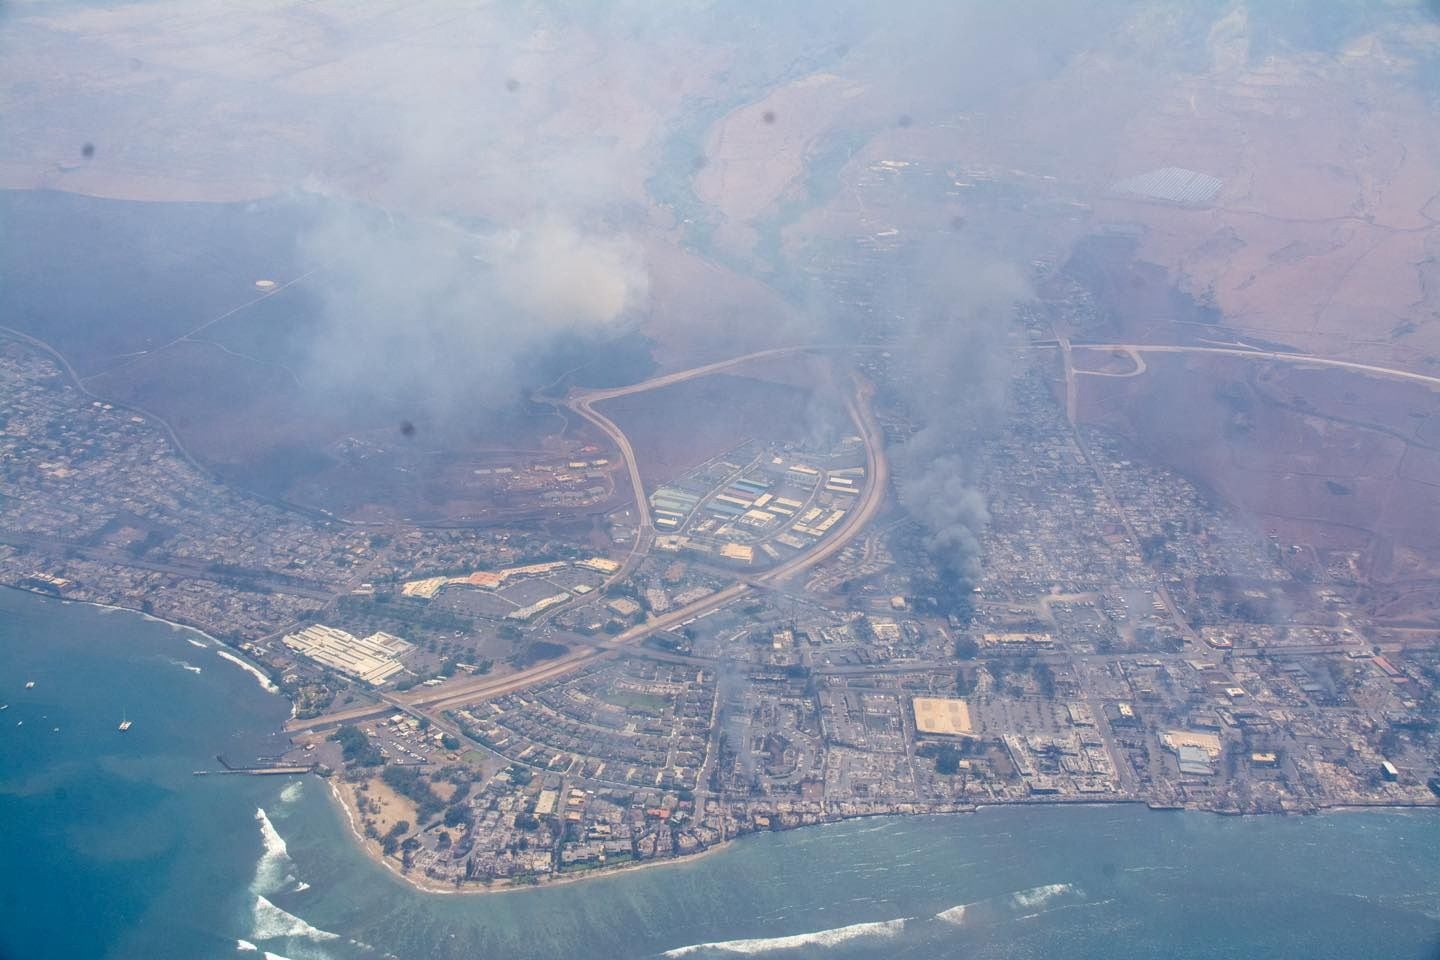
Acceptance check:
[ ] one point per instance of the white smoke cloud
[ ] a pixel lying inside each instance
(554, 274)
(445, 319)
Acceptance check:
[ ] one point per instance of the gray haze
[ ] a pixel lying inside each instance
(507, 231)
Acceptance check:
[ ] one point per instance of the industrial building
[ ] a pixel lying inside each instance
(373, 659)
(537, 608)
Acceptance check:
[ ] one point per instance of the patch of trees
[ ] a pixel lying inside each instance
(542, 650)
(408, 782)
(357, 747)
(391, 841)
(624, 589)
(1155, 548)
(151, 540)
(947, 757)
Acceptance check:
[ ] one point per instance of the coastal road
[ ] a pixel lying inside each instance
(59, 546)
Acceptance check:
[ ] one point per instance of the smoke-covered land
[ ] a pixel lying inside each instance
(620, 427)
(450, 208)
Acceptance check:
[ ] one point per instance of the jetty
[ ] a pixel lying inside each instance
(266, 769)
(259, 771)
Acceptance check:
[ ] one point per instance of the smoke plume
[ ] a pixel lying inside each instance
(954, 308)
(446, 320)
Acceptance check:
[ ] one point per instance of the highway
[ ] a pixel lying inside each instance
(580, 403)
(177, 567)
(583, 401)
(474, 689)
(680, 376)
(481, 688)
(877, 482)
(1302, 359)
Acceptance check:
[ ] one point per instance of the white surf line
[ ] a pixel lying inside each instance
(822, 938)
(249, 668)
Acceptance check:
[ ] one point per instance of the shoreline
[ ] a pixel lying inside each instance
(222, 649)
(343, 797)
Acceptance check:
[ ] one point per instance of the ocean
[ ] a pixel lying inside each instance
(111, 847)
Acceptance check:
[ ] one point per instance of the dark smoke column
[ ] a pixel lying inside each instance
(955, 317)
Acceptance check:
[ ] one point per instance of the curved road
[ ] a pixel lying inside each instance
(583, 401)
(872, 497)
(475, 689)
(1302, 359)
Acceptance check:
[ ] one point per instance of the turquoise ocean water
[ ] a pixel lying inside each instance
(109, 846)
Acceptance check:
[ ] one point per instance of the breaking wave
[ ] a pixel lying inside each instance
(272, 872)
(1039, 896)
(245, 946)
(272, 923)
(292, 791)
(184, 665)
(955, 914)
(1008, 906)
(820, 938)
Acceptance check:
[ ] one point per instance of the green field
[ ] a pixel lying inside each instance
(637, 702)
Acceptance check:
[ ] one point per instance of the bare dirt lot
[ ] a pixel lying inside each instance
(1325, 458)
(678, 427)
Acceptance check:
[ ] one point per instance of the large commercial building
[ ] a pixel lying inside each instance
(373, 659)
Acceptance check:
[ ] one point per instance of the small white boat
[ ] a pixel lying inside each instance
(29, 684)
(124, 723)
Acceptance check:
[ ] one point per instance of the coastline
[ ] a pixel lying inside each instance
(222, 649)
(344, 797)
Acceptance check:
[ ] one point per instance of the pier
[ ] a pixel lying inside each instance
(258, 771)
(269, 768)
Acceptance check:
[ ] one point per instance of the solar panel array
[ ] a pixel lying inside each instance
(1173, 185)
